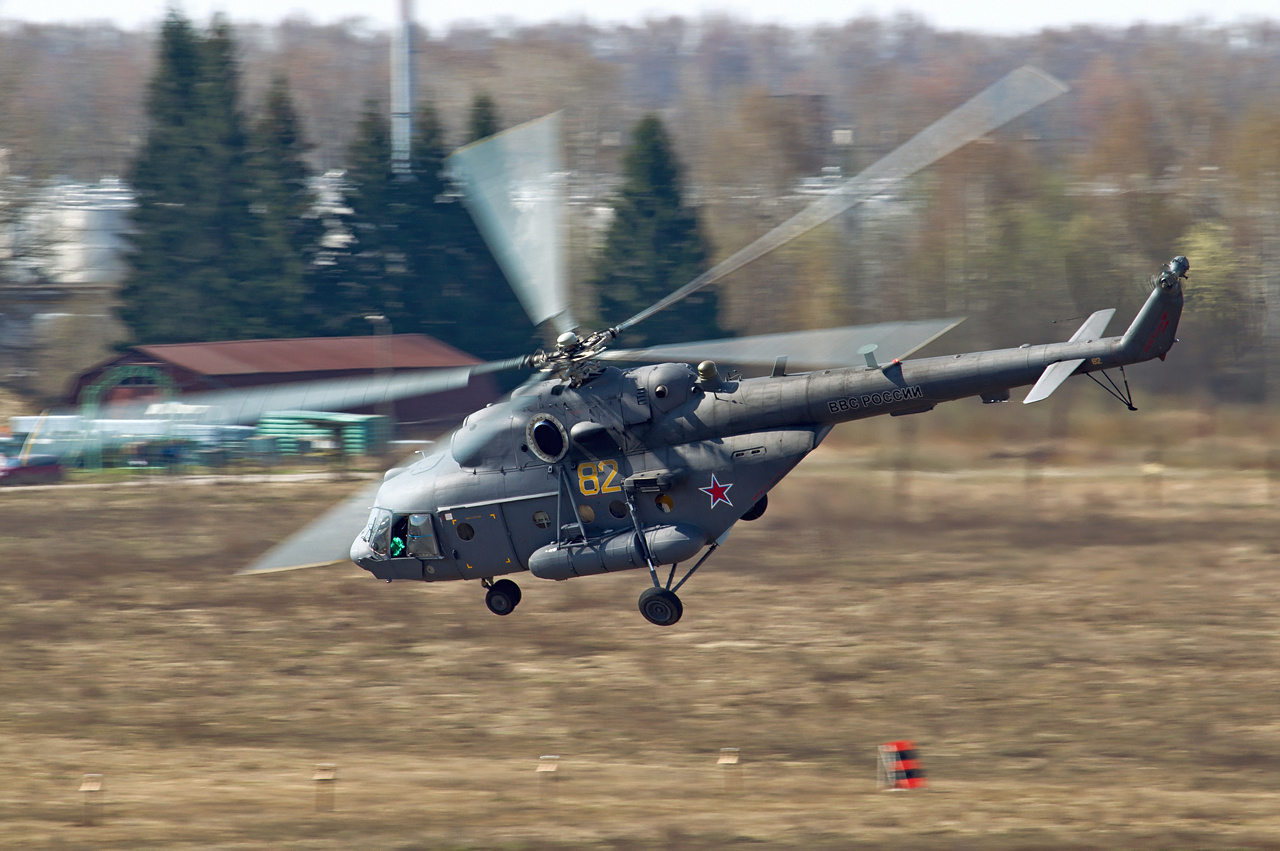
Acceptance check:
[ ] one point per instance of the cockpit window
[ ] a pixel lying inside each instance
(422, 537)
(378, 533)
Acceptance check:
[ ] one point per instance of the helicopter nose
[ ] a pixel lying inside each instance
(361, 553)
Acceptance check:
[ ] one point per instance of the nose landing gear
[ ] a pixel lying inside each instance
(503, 597)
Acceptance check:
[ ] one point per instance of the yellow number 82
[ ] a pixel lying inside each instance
(590, 473)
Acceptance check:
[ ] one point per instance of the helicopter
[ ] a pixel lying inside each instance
(591, 468)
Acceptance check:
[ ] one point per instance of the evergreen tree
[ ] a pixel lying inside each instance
(203, 263)
(457, 289)
(286, 202)
(654, 246)
(484, 118)
(355, 277)
(415, 255)
(164, 178)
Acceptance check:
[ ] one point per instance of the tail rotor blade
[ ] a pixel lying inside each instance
(1013, 95)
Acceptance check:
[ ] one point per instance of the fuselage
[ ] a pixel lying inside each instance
(563, 477)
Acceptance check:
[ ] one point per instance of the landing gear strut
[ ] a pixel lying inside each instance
(503, 597)
(660, 605)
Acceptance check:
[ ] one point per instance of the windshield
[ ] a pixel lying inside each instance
(377, 534)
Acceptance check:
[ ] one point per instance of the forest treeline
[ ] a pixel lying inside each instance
(1168, 142)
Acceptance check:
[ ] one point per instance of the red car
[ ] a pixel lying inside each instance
(34, 470)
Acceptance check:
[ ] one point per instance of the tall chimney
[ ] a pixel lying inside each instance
(402, 89)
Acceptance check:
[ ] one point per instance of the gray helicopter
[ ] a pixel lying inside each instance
(591, 468)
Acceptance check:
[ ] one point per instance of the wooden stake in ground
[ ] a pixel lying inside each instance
(732, 778)
(326, 777)
(92, 788)
(549, 768)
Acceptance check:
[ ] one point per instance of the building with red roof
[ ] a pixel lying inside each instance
(198, 367)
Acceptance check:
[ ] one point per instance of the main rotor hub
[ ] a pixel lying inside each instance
(572, 357)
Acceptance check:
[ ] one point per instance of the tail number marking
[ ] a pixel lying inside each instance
(590, 474)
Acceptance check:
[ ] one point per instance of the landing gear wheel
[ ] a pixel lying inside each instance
(503, 597)
(660, 606)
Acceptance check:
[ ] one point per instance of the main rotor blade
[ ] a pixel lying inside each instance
(513, 184)
(1003, 101)
(827, 347)
(326, 540)
(248, 404)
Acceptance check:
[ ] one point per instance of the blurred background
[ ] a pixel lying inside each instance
(204, 180)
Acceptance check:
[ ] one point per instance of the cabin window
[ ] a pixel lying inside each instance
(422, 540)
(377, 534)
(542, 519)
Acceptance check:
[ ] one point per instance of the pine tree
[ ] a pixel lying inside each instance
(415, 255)
(204, 265)
(462, 296)
(484, 118)
(654, 246)
(163, 178)
(286, 203)
(355, 278)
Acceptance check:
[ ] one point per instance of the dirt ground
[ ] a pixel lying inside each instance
(1083, 645)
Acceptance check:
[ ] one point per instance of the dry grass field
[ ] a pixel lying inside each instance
(1085, 651)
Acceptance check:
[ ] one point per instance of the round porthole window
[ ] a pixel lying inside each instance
(466, 531)
(542, 519)
(587, 513)
(618, 509)
(665, 504)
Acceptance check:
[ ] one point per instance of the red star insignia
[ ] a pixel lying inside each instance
(719, 493)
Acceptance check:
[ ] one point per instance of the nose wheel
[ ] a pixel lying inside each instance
(660, 606)
(503, 597)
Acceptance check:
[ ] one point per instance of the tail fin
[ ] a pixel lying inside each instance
(1155, 328)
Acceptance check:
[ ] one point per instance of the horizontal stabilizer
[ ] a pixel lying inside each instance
(326, 540)
(1052, 377)
(1093, 326)
(821, 349)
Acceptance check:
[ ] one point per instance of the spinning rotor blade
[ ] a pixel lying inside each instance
(248, 404)
(1003, 101)
(326, 540)
(829, 347)
(513, 185)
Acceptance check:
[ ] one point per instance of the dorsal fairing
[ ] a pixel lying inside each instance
(485, 437)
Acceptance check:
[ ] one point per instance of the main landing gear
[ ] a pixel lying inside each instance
(660, 605)
(503, 597)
